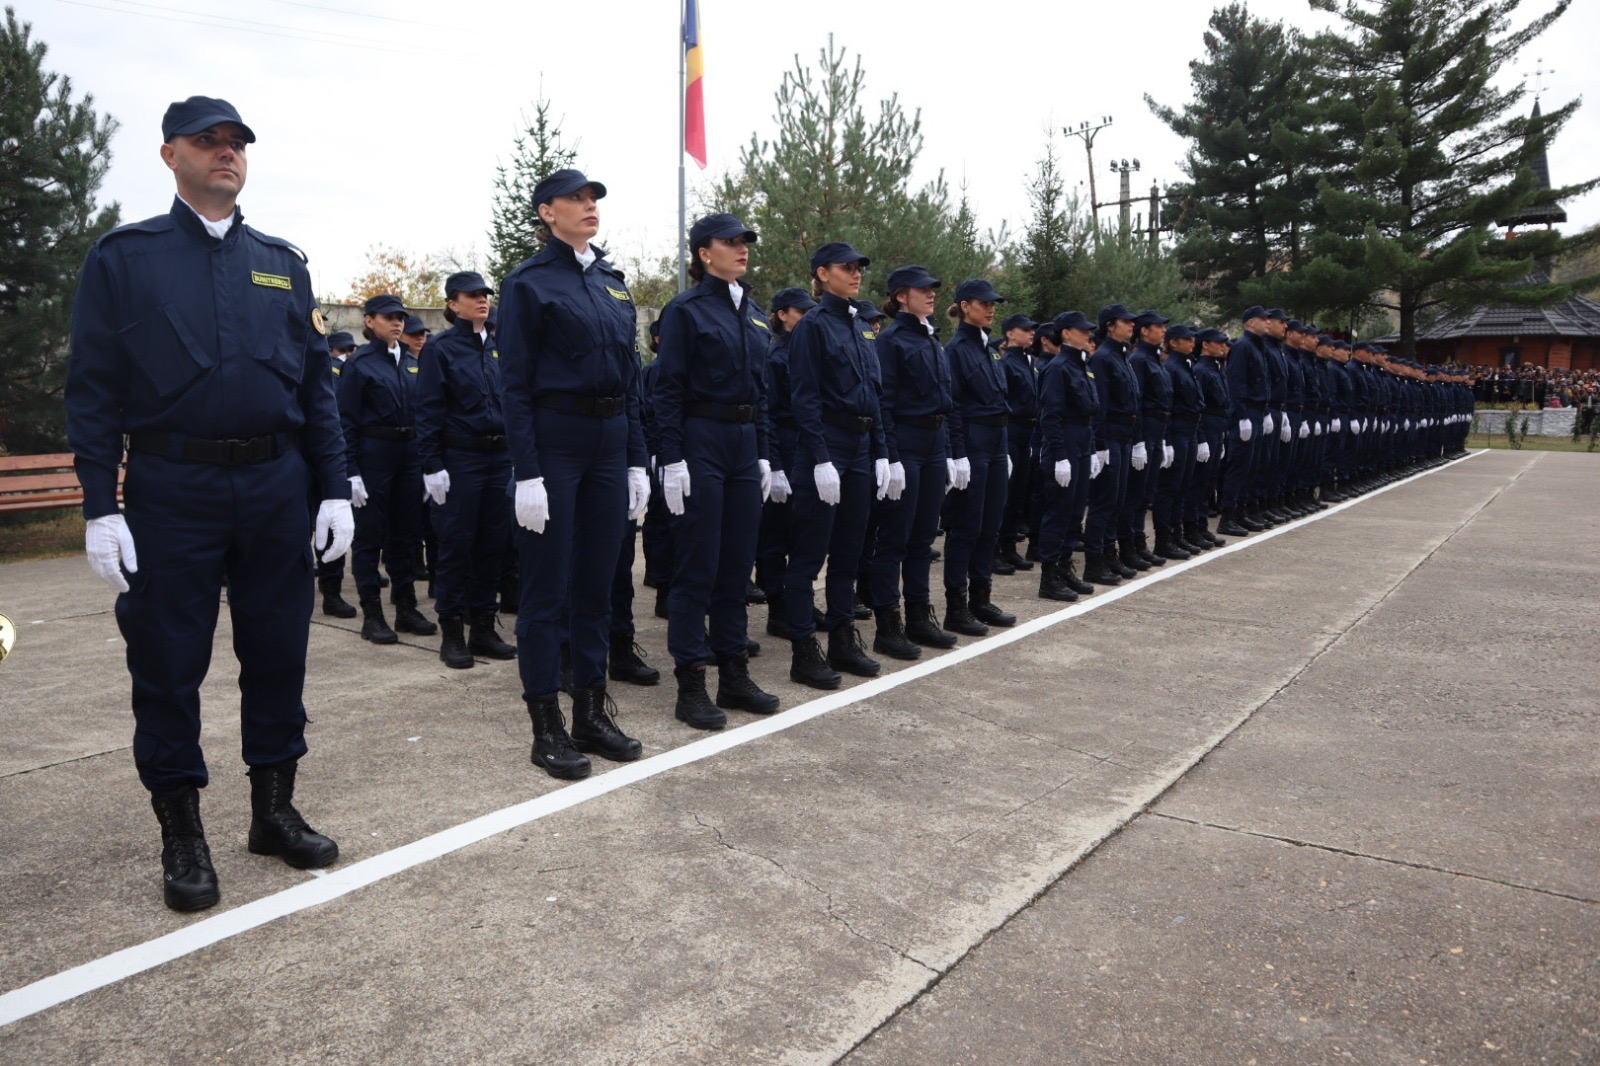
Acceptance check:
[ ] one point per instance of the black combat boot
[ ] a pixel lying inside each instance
(1167, 548)
(333, 604)
(1069, 574)
(1141, 544)
(737, 692)
(923, 627)
(407, 619)
(808, 667)
(552, 746)
(1184, 537)
(188, 880)
(958, 617)
(754, 595)
(1096, 571)
(847, 652)
(891, 639)
(1008, 551)
(453, 645)
(694, 707)
(485, 640)
(276, 828)
(1231, 525)
(863, 597)
(627, 662)
(1200, 533)
(1128, 555)
(984, 610)
(663, 596)
(594, 727)
(1053, 586)
(777, 619)
(373, 626)
(1001, 565)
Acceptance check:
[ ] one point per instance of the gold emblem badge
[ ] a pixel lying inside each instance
(317, 322)
(620, 294)
(8, 637)
(271, 281)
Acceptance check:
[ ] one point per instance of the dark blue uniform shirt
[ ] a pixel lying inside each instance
(832, 367)
(178, 332)
(1187, 402)
(1213, 386)
(1155, 387)
(916, 377)
(1277, 372)
(566, 330)
(711, 352)
(1069, 404)
(1119, 392)
(375, 390)
(1022, 383)
(458, 392)
(977, 384)
(1249, 380)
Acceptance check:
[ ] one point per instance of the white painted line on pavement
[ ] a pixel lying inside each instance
(50, 991)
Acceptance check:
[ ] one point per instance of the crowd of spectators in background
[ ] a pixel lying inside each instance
(1536, 386)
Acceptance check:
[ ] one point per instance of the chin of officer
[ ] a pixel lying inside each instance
(199, 339)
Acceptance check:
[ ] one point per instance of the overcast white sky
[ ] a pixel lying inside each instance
(383, 122)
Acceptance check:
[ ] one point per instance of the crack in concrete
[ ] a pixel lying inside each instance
(1389, 859)
(64, 762)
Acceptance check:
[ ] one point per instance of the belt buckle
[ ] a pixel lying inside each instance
(606, 406)
(745, 412)
(238, 450)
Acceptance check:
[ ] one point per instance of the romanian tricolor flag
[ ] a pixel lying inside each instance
(694, 106)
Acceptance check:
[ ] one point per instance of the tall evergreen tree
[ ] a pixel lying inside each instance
(1440, 155)
(53, 156)
(833, 174)
(1053, 245)
(535, 155)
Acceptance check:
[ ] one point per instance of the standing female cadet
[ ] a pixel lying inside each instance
(775, 536)
(571, 368)
(915, 405)
(461, 439)
(377, 405)
(711, 423)
(1115, 433)
(840, 458)
(1068, 407)
(980, 463)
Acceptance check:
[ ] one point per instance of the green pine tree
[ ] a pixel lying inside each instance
(55, 154)
(536, 154)
(1054, 243)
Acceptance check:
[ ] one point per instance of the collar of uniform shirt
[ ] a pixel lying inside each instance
(586, 257)
(736, 293)
(218, 230)
(483, 338)
(394, 352)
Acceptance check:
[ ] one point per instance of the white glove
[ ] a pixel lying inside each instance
(1305, 430)
(1098, 461)
(1063, 472)
(1355, 427)
(1334, 425)
(1408, 425)
(335, 519)
(1009, 465)
(1285, 431)
(766, 479)
(652, 464)
(1202, 453)
(638, 492)
(533, 504)
(897, 480)
(780, 487)
(675, 485)
(880, 476)
(1167, 455)
(435, 487)
(960, 472)
(107, 542)
(1266, 425)
(1316, 429)
(1246, 430)
(358, 492)
(827, 478)
(1140, 456)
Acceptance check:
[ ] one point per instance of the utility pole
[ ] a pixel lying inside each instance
(1087, 132)
(1125, 168)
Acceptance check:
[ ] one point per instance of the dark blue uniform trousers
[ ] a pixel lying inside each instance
(391, 520)
(775, 534)
(585, 468)
(1141, 491)
(1203, 485)
(1172, 483)
(1061, 527)
(1238, 477)
(715, 540)
(1106, 495)
(835, 532)
(471, 526)
(904, 548)
(622, 584)
(1019, 490)
(969, 548)
(196, 525)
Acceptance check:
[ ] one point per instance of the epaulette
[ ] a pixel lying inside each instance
(154, 224)
(278, 241)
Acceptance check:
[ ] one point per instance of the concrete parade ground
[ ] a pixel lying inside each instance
(1328, 795)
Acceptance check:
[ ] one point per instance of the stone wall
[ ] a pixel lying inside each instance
(1550, 422)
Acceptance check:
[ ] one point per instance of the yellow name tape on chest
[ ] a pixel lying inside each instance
(618, 293)
(271, 281)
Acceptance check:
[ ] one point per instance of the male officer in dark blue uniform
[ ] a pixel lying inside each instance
(466, 465)
(199, 338)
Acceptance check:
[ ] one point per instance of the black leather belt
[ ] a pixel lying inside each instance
(1123, 420)
(988, 420)
(1296, 408)
(786, 422)
(1076, 420)
(857, 423)
(1024, 421)
(722, 412)
(1156, 412)
(388, 432)
(920, 421)
(1217, 412)
(573, 403)
(225, 452)
(496, 443)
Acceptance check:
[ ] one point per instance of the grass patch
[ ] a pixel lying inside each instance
(41, 535)
(1530, 443)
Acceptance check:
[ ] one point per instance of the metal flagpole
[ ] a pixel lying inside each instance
(683, 206)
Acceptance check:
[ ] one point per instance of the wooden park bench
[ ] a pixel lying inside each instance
(41, 483)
